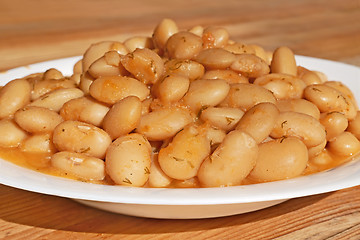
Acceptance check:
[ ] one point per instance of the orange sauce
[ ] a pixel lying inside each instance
(40, 162)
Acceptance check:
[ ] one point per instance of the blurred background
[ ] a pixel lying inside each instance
(33, 31)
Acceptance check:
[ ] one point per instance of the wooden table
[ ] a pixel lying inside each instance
(33, 31)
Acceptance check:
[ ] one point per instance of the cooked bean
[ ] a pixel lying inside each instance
(316, 150)
(107, 65)
(78, 67)
(329, 99)
(45, 86)
(222, 117)
(37, 119)
(343, 89)
(206, 92)
(334, 122)
(245, 96)
(52, 73)
(11, 134)
(228, 75)
(186, 68)
(197, 30)
(260, 52)
(138, 42)
(283, 61)
(239, 48)
(182, 158)
(123, 117)
(281, 85)
(97, 50)
(38, 143)
(114, 88)
(309, 77)
(146, 65)
(128, 160)
(299, 105)
(84, 109)
(215, 37)
(13, 96)
(259, 121)
(163, 31)
(215, 136)
(81, 137)
(231, 162)
(323, 158)
(215, 58)
(300, 125)
(183, 45)
(80, 165)
(163, 123)
(354, 126)
(172, 88)
(55, 100)
(280, 159)
(157, 178)
(85, 81)
(345, 144)
(250, 65)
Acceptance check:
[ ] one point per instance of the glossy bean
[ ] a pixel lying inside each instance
(37, 119)
(75, 136)
(55, 100)
(231, 161)
(128, 160)
(183, 45)
(123, 117)
(222, 117)
(345, 144)
(112, 89)
(182, 158)
(298, 105)
(206, 92)
(300, 125)
(215, 58)
(80, 165)
(163, 123)
(13, 96)
(335, 123)
(245, 96)
(283, 86)
(146, 65)
(259, 121)
(250, 66)
(283, 61)
(11, 134)
(280, 159)
(84, 109)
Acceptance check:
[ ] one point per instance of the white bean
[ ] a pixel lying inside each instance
(80, 165)
(128, 160)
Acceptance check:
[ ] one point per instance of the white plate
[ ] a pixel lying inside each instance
(186, 203)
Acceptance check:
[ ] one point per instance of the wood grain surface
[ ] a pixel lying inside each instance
(33, 31)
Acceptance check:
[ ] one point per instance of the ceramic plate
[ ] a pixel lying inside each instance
(186, 203)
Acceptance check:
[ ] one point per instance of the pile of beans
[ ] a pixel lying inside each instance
(182, 108)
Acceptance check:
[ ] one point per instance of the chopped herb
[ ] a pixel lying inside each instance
(229, 120)
(282, 139)
(126, 180)
(178, 159)
(316, 89)
(190, 163)
(283, 123)
(147, 171)
(84, 150)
